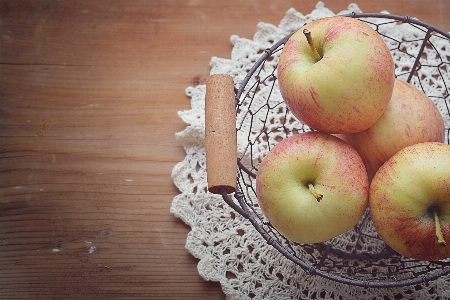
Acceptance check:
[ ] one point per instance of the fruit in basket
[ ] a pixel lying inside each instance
(410, 201)
(411, 118)
(312, 187)
(336, 74)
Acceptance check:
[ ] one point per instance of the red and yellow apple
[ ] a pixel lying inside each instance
(409, 201)
(336, 74)
(312, 187)
(411, 118)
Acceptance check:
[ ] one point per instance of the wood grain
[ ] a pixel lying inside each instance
(89, 94)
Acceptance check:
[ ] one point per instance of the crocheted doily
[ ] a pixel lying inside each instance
(228, 247)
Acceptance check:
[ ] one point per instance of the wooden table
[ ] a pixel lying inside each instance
(89, 95)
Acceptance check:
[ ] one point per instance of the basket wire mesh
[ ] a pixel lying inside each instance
(364, 259)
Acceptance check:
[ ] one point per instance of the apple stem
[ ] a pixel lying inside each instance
(441, 241)
(307, 33)
(314, 192)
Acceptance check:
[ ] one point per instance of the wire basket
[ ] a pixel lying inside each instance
(358, 257)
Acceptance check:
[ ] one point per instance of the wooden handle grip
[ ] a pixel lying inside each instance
(220, 134)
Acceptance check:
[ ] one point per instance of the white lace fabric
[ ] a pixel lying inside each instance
(228, 247)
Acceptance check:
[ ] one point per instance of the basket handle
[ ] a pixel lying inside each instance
(220, 134)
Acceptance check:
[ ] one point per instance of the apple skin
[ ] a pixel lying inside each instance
(335, 170)
(349, 88)
(411, 118)
(402, 195)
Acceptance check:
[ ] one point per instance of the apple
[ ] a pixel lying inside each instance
(411, 118)
(336, 75)
(409, 200)
(312, 187)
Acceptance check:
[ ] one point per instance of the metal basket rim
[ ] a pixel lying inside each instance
(243, 209)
